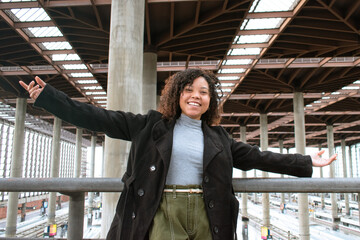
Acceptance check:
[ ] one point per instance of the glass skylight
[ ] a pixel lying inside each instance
(229, 78)
(273, 6)
(232, 70)
(86, 81)
(245, 51)
(64, 57)
(45, 32)
(18, 0)
(74, 66)
(30, 14)
(95, 93)
(56, 45)
(227, 84)
(103, 97)
(92, 88)
(101, 101)
(261, 38)
(81, 75)
(238, 62)
(264, 23)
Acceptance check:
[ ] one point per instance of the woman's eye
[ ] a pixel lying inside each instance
(188, 89)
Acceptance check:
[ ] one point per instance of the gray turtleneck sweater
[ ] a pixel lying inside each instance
(186, 164)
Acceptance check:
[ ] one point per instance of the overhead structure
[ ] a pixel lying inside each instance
(262, 51)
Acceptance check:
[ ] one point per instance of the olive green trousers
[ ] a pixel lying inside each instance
(181, 216)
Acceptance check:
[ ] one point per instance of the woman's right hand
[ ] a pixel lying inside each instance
(34, 90)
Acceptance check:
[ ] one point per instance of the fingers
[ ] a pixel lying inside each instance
(24, 85)
(40, 82)
(320, 153)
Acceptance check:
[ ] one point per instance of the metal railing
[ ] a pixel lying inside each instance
(76, 188)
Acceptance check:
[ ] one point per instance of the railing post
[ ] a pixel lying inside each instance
(76, 216)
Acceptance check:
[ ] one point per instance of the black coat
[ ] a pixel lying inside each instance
(149, 161)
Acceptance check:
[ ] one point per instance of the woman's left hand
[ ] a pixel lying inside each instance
(318, 161)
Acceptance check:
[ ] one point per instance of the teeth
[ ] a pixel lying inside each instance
(194, 104)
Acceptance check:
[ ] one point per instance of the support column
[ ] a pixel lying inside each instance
(334, 208)
(16, 165)
(343, 153)
(264, 146)
(300, 144)
(282, 199)
(124, 87)
(149, 81)
(351, 171)
(322, 176)
(244, 208)
(55, 163)
(92, 175)
(78, 152)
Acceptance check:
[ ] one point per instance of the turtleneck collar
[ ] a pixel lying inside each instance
(188, 121)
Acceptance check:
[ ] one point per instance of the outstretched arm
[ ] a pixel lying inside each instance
(34, 90)
(318, 161)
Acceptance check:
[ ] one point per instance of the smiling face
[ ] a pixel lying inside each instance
(195, 98)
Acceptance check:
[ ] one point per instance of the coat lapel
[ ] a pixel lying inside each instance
(212, 145)
(162, 134)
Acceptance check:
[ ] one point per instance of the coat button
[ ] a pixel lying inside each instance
(206, 179)
(216, 230)
(211, 204)
(133, 216)
(140, 192)
(152, 168)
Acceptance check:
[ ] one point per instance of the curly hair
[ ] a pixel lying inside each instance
(169, 101)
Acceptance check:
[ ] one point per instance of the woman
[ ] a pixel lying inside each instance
(178, 182)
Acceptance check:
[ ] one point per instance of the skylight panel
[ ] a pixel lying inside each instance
(56, 45)
(64, 57)
(238, 62)
(264, 23)
(74, 66)
(86, 81)
(229, 78)
(273, 6)
(245, 51)
(232, 70)
(104, 97)
(228, 84)
(18, 0)
(261, 38)
(95, 93)
(30, 14)
(81, 75)
(101, 102)
(92, 88)
(45, 32)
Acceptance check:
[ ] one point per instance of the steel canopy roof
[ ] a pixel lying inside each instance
(262, 53)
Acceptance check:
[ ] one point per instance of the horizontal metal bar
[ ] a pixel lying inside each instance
(71, 185)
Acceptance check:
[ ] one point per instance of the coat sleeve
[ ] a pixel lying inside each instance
(246, 157)
(115, 124)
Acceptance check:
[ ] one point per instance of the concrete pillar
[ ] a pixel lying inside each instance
(55, 164)
(78, 152)
(264, 146)
(92, 175)
(124, 87)
(281, 147)
(346, 195)
(23, 212)
(300, 144)
(244, 208)
(351, 171)
(149, 81)
(322, 176)
(334, 208)
(16, 165)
